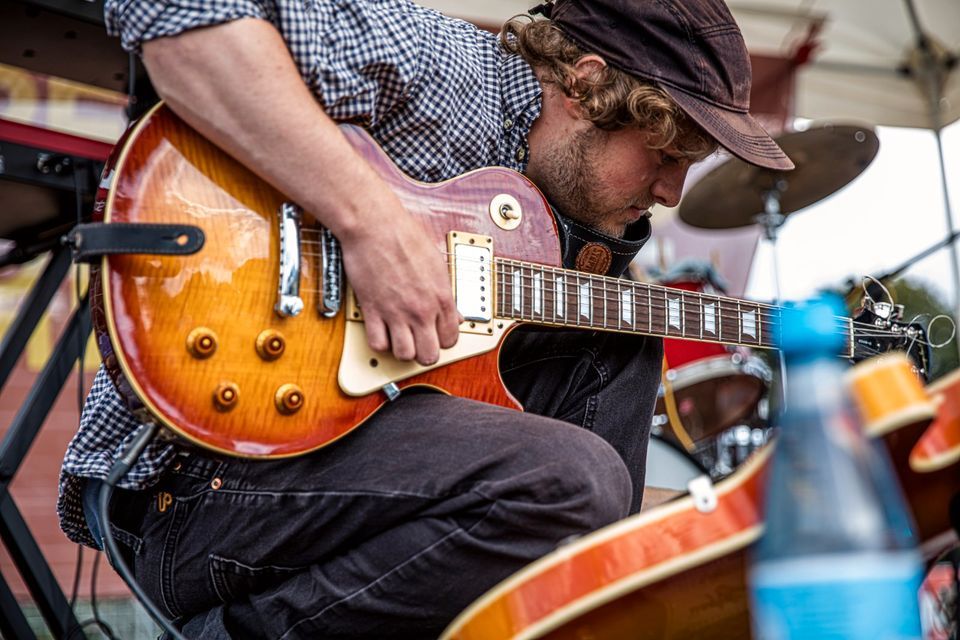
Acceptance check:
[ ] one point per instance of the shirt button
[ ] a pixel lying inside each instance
(521, 154)
(507, 124)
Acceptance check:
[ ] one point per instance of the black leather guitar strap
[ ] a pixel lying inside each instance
(93, 240)
(586, 249)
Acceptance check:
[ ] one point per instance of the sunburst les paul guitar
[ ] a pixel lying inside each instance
(253, 345)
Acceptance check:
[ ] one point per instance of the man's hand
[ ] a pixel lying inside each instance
(236, 84)
(402, 284)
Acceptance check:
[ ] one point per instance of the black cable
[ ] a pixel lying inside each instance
(77, 574)
(105, 628)
(120, 468)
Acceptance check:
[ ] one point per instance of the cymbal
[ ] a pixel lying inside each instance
(827, 158)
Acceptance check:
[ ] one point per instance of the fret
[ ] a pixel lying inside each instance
(649, 310)
(759, 325)
(618, 312)
(700, 298)
(549, 304)
(688, 313)
(852, 343)
(504, 292)
(537, 299)
(603, 282)
(739, 324)
(526, 286)
(719, 319)
(683, 315)
(518, 291)
(596, 302)
(498, 291)
(694, 316)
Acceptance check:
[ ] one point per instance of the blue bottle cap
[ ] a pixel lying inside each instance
(813, 327)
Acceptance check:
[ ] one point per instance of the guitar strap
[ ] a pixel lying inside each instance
(90, 241)
(591, 251)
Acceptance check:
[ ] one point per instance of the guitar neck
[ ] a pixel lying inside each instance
(560, 297)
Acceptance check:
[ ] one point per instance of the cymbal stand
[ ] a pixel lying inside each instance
(771, 220)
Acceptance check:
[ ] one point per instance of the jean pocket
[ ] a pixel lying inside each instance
(233, 579)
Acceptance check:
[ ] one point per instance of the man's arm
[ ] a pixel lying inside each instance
(237, 85)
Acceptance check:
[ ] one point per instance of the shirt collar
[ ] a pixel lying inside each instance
(521, 93)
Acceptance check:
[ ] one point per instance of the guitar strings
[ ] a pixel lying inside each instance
(768, 313)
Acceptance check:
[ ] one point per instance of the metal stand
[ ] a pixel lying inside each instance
(771, 220)
(15, 534)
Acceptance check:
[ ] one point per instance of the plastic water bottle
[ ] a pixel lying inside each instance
(838, 558)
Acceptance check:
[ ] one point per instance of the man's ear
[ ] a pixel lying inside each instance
(586, 68)
(589, 65)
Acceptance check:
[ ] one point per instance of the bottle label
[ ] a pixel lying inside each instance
(855, 596)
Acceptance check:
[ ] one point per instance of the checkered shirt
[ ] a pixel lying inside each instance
(439, 95)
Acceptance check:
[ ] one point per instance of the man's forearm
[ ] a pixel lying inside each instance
(237, 85)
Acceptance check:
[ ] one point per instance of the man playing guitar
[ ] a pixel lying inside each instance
(393, 529)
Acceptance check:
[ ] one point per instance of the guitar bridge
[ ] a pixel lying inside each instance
(289, 303)
(331, 275)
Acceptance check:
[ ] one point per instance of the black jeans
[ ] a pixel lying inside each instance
(395, 528)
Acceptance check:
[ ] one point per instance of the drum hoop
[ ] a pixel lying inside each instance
(707, 369)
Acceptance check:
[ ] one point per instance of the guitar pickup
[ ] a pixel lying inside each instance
(473, 276)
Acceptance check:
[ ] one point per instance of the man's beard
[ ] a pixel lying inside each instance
(569, 179)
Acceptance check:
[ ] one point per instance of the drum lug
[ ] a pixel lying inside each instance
(704, 495)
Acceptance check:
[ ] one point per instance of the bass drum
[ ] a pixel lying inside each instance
(669, 466)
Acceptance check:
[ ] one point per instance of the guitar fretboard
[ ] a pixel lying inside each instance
(560, 297)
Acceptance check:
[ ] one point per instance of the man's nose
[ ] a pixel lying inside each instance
(669, 184)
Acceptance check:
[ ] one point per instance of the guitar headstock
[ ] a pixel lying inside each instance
(879, 330)
(882, 325)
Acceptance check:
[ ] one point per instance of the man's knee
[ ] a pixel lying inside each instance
(579, 480)
(603, 479)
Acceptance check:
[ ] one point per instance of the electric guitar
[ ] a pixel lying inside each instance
(253, 346)
(679, 570)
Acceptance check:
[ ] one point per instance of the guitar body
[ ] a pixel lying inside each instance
(675, 571)
(154, 305)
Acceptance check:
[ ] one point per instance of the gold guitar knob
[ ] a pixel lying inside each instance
(289, 399)
(201, 343)
(226, 396)
(270, 344)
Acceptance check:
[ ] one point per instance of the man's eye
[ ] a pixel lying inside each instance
(666, 158)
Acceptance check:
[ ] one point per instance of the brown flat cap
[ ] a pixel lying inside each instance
(692, 49)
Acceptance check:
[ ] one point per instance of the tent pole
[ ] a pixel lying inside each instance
(931, 80)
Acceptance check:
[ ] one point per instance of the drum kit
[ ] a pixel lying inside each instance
(714, 400)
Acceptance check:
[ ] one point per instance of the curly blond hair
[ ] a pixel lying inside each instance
(611, 99)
